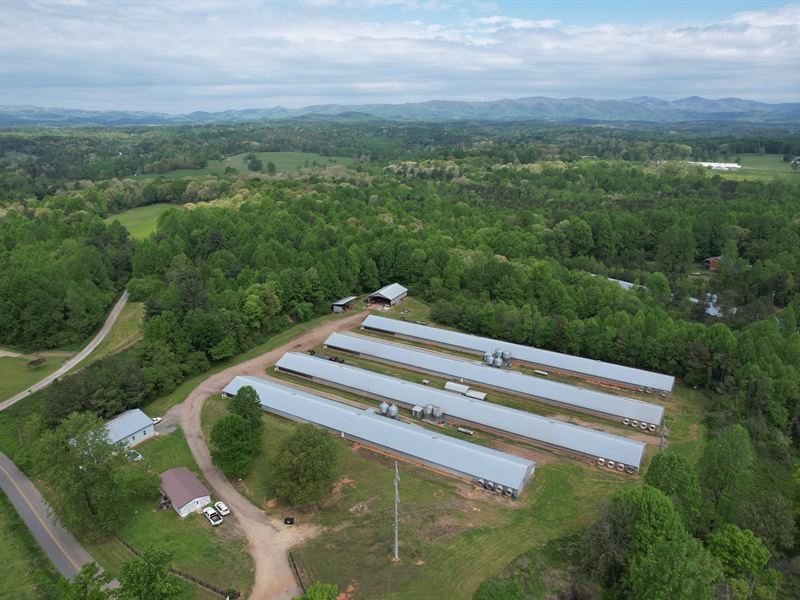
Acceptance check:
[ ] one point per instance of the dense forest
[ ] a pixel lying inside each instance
(506, 232)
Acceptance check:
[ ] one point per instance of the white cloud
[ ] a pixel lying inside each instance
(497, 22)
(784, 16)
(182, 56)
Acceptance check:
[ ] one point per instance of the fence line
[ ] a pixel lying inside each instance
(297, 573)
(211, 587)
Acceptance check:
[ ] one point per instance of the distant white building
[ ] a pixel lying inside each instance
(717, 166)
(131, 427)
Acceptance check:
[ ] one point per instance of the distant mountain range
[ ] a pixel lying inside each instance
(640, 109)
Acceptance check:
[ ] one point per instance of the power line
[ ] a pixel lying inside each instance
(396, 507)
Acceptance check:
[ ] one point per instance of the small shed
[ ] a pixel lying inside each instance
(712, 263)
(130, 428)
(343, 305)
(184, 490)
(388, 295)
(458, 388)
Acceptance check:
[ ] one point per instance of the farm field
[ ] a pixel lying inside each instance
(15, 375)
(26, 572)
(283, 161)
(764, 167)
(141, 221)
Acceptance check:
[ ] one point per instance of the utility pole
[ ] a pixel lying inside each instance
(396, 508)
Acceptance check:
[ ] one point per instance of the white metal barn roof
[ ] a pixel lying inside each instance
(126, 424)
(344, 301)
(500, 378)
(411, 440)
(458, 388)
(574, 438)
(390, 292)
(547, 358)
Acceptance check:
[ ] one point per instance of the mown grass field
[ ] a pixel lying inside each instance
(127, 330)
(766, 167)
(283, 161)
(141, 221)
(15, 375)
(26, 572)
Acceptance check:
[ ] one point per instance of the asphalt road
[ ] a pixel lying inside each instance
(58, 544)
(72, 362)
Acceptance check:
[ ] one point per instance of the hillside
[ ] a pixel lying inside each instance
(640, 109)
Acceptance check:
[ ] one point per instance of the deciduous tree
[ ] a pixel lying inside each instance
(305, 466)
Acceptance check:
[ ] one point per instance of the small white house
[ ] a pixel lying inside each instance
(184, 490)
(388, 295)
(131, 427)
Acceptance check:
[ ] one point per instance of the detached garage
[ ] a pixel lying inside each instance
(184, 490)
(389, 295)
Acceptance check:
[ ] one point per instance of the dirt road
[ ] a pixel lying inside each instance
(269, 539)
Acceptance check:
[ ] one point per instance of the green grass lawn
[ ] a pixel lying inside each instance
(765, 167)
(16, 376)
(283, 161)
(26, 572)
(127, 330)
(141, 221)
(452, 535)
(218, 555)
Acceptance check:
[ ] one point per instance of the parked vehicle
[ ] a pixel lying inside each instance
(212, 515)
(288, 520)
(156, 420)
(222, 508)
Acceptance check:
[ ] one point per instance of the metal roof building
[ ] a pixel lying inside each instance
(607, 405)
(130, 428)
(342, 304)
(585, 367)
(390, 294)
(439, 451)
(550, 432)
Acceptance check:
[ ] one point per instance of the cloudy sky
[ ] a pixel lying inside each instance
(181, 56)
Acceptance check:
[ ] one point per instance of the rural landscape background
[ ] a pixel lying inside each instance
(162, 234)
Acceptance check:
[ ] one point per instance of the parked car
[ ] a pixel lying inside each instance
(288, 520)
(212, 516)
(156, 420)
(222, 508)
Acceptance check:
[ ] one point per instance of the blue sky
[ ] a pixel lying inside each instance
(187, 55)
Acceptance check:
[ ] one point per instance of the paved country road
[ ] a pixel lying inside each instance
(58, 544)
(269, 539)
(72, 362)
